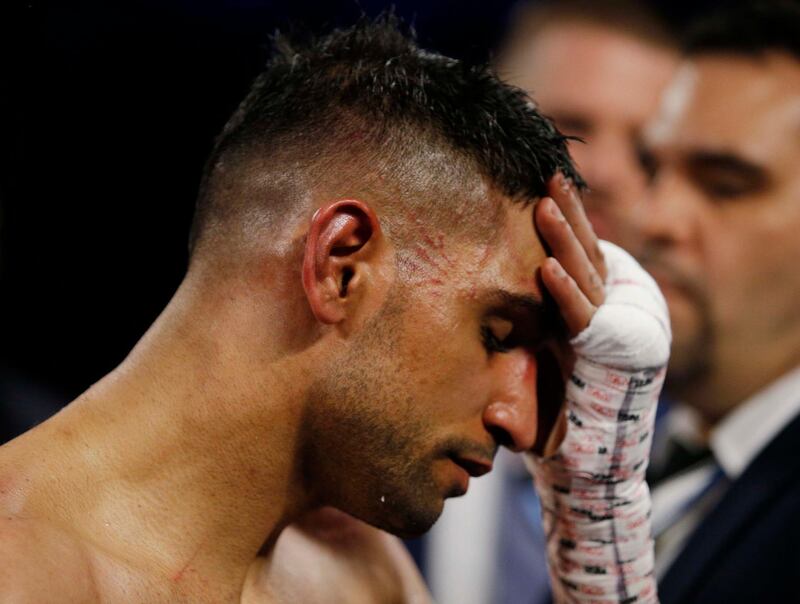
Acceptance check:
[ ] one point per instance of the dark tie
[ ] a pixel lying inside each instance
(675, 524)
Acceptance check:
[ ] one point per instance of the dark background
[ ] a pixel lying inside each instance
(107, 112)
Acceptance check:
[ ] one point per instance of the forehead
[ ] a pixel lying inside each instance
(741, 105)
(512, 259)
(504, 256)
(581, 67)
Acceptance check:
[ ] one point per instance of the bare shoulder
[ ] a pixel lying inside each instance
(41, 564)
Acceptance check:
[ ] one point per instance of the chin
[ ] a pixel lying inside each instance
(408, 520)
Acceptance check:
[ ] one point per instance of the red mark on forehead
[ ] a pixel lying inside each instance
(529, 282)
(480, 265)
(530, 370)
(431, 246)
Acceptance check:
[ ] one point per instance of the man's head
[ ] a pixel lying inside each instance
(370, 204)
(721, 227)
(598, 69)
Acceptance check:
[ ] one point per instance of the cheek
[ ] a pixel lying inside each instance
(437, 358)
(751, 266)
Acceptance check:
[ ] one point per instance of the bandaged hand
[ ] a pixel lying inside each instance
(595, 502)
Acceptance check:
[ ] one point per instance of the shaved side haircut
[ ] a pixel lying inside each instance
(365, 111)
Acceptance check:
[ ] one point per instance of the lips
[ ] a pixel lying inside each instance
(474, 466)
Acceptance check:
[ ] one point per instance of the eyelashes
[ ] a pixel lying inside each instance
(491, 342)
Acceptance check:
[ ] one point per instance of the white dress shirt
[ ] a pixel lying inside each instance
(735, 442)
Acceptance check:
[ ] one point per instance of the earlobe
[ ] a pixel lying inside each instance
(336, 241)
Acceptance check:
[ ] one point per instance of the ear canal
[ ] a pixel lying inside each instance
(347, 274)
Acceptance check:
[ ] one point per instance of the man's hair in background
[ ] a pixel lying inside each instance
(632, 17)
(368, 107)
(749, 28)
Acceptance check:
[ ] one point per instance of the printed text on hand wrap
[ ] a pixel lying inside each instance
(595, 502)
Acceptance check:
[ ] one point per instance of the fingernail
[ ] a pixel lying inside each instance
(557, 268)
(555, 210)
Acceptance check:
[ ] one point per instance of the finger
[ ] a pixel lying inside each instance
(568, 200)
(568, 250)
(575, 307)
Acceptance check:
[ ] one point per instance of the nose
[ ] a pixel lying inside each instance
(611, 168)
(667, 217)
(511, 415)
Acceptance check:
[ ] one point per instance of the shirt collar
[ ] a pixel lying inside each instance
(745, 431)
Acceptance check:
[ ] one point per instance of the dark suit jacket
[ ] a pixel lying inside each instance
(748, 548)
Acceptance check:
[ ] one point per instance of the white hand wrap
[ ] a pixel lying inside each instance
(595, 502)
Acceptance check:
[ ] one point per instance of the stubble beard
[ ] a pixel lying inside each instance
(691, 358)
(366, 452)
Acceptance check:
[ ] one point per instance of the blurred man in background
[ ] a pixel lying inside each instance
(720, 234)
(598, 68)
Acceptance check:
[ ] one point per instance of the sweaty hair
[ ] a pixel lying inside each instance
(750, 28)
(367, 109)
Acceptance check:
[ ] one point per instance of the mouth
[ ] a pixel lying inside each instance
(474, 466)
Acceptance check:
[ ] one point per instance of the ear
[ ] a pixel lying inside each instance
(342, 241)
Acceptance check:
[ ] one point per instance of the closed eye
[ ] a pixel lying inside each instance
(491, 342)
(726, 176)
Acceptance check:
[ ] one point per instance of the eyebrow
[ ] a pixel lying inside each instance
(501, 299)
(729, 162)
(539, 312)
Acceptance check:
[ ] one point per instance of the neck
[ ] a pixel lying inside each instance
(737, 373)
(182, 459)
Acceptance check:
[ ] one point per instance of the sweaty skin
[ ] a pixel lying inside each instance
(369, 566)
(168, 481)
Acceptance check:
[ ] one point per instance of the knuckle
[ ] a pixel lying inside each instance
(594, 280)
(597, 252)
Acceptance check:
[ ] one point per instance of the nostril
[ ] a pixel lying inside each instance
(502, 437)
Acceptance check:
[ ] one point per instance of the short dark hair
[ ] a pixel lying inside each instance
(632, 17)
(370, 92)
(748, 28)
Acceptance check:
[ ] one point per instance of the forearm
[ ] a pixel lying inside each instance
(595, 502)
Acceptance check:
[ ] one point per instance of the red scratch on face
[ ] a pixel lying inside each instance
(435, 244)
(422, 253)
(528, 283)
